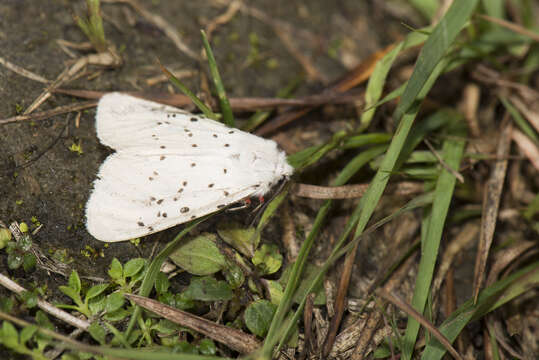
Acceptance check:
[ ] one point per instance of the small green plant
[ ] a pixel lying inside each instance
(74, 291)
(19, 253)
(28, 341)
(92, 25)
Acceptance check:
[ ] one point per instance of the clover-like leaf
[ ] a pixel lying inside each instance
(199, 255)
(258, 316)
(208, 289)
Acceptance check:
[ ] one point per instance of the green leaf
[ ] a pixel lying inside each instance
(117, 315)
(25, 242)
(116, 270)
(74, 281)
(258, 316)
(184, 347)
(166, 327)
(268, 259)
(5, 237)
(133, 266)
(199, 255)
(27, 333)
(30, 298)
(114, 301)
(208, 289)
(207, 347)
(501, 292)
(43, 321)
(161, 283)
(97, 304)
(96, 290)
(276, 291)
(97, 332)
(9, 335)
(234, 275)
(240, 238)
(6, 304)
(72, 293)
(29, 262)
(14, 260)
(153, 269)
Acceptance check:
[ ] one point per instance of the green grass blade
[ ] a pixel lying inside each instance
(184, 89)
(309, 156)
(378, 77)
(275, 333)
(92, 26)
(520, 121)
(226, 110)
(452, 152)
(489, 299)
(339, 249)
(435, 48)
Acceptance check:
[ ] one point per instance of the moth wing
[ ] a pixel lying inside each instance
(139, 195)
(126, 122)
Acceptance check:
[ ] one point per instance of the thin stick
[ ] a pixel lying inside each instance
(50, 113)
(46, 306)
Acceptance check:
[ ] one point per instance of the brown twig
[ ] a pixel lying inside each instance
(23, 72)
(46, 306)
(224, 18)
(511, 26)
(330, 192)
(455, 173)
(49, 113)
(307, 324)
(344, 284)
(402, 305)
(237, 104)
(491, 202)
(351, 191)
(233, 338)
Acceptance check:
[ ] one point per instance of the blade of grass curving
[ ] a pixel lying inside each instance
(309, 156)
(366, 139)
(421, 129)
(306, 158)
(271, 209)
(426, 71)
(452, 152)
(226, 110)
(520, 121)
(343, 177)
(153, 270)
(340, 250)
(184, 89)
(275, 332)
(378, 77)
(434, 49)
(420, 82)
(427, 8)
(490, 298)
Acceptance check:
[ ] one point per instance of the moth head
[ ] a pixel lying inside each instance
(283, 167)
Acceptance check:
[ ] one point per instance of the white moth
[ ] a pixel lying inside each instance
(171, 167)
